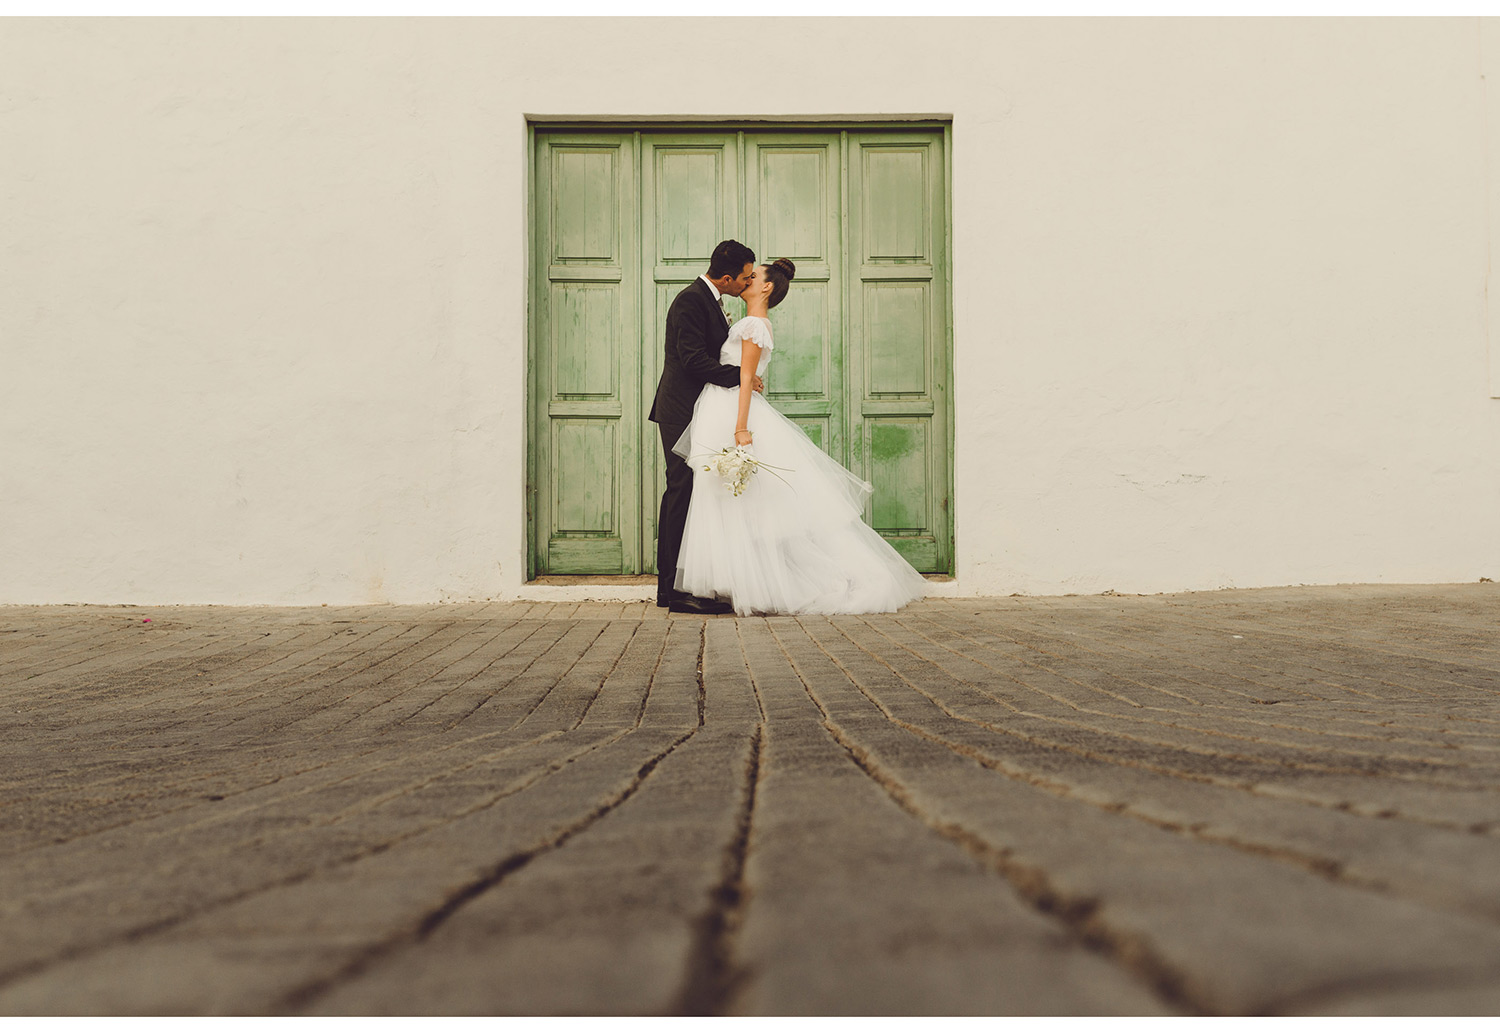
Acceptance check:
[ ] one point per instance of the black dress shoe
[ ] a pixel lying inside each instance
(663, 600)
(697, 604)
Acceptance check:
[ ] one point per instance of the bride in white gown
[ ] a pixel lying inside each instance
(793, 540)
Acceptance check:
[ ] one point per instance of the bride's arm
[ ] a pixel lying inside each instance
(749, 361)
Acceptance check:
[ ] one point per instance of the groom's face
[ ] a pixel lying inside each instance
(739, 283)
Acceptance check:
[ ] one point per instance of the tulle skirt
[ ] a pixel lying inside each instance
(793, 540)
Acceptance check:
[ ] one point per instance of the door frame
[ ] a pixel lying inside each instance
(743, 125)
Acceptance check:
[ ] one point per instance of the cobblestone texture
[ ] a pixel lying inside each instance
(1254, 802)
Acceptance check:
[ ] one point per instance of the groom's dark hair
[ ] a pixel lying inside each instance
(729, 259)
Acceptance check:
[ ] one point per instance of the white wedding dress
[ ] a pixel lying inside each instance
(793, 540)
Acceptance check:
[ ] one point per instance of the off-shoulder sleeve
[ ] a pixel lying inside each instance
(754, 328)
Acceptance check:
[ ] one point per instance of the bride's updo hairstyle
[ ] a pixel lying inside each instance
(780, 273)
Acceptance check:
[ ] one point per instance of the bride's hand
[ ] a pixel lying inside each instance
(742, 437)
(759, 385)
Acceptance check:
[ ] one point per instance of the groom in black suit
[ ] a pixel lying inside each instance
(696, 326)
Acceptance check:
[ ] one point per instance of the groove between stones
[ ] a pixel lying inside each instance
(714, 977)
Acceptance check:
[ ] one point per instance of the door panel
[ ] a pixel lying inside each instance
(624, 221)
(585, 500)
(898, 345)
(585, 211)
(896, 211)
(899, 456)
(585, 340)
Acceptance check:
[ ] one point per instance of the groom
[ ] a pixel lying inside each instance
(696, 327)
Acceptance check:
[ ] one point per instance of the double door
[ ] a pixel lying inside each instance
(623, 221)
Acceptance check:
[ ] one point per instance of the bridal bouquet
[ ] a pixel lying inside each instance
(737, 465)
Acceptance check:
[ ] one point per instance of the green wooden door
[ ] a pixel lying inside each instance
(623, 221)
(897, 342)
(585, 357)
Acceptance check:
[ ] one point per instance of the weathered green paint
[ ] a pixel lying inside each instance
(585, 340)
(862, 339)
(897, 338)
(899, 349)
(585, 387)
(898, 454)
(815, 428)
(584, 502)
(584, 218)
(895, 176)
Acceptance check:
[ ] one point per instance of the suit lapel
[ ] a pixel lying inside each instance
(715, 305)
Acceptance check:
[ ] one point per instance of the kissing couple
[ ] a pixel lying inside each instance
(793, 540)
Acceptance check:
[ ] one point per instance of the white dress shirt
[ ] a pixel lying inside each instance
(717, 296)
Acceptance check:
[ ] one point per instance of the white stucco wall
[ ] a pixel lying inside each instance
(1220, 291)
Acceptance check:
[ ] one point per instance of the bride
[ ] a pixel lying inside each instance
(793, 540)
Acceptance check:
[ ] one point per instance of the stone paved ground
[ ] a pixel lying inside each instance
(1247, 802)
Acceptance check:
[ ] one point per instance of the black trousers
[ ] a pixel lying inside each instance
(674, 509)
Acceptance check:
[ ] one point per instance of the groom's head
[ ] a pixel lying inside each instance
(731, 267)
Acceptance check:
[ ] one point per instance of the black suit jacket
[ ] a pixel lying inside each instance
(696, 329)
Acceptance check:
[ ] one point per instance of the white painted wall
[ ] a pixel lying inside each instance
(1220, 291)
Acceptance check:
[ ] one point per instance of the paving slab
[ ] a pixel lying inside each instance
(1256, 802)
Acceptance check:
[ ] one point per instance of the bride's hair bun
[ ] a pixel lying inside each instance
(780, 273)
